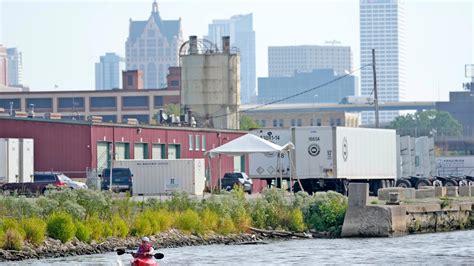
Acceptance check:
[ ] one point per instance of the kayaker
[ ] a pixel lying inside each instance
(145, 249)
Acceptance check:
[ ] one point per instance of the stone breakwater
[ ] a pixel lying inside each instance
(52, 248)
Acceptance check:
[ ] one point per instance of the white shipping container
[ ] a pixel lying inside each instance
(266, 165)
(26, 160)
(9, 160)
(407, 156)
(345, 153)
(153, 177)
(455, 165)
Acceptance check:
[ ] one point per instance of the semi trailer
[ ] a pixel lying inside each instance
(329, 158)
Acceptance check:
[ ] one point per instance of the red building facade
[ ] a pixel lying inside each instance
(73, 147)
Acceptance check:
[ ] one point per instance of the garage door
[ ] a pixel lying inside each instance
(158, 151)
(174, 151)
(103, 156)
(140, 151)
(122, 151)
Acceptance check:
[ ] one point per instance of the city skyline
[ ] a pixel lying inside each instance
(435, 73)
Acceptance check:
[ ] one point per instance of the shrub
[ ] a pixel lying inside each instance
(164, 219)
(61, 226)
(296, 220)
(180, 201)
(119, 227)
(107, 230)
(35, 230)
(82, 232)
(18, 207)
(12, 240)
(141, 226)
(226, 226)
(9, 223)
(189, 221)
(95, 227)
(241, 220)
(327, 212)
(209, 220)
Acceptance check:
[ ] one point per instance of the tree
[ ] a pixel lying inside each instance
(172, 108)
(247, 123)
(425, 123)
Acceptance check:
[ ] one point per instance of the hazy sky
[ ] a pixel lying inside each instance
(61, 40)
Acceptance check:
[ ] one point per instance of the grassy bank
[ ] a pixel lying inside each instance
(92, 216)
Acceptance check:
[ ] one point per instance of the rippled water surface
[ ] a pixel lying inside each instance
(442, 248)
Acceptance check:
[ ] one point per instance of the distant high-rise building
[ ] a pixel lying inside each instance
(284, 61)
(3, 67)
(242, 36)
(152, 47)
(15, 67)
(275, 88)
(382, 29)
(108, 72)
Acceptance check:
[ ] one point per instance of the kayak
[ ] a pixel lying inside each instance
(140, 260)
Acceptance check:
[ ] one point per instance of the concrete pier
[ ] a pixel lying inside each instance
(363, 220)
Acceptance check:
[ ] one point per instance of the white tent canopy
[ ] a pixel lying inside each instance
(248, 144)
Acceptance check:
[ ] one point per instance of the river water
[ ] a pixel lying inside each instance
(440, 248)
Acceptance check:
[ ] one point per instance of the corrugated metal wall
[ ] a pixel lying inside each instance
(72, 147)
(57, 146)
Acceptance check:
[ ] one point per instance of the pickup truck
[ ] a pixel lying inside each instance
(40, 184)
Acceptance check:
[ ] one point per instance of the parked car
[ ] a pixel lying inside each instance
(73, 184)
(239, 178)
(41, 181)
(121, 179)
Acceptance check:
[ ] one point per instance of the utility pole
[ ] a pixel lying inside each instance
(376, 98)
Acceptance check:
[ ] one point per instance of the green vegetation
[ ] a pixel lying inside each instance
(247, 123)
(426, 123)
(94, 216)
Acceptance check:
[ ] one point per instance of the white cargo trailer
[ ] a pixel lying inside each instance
(155, 177)
(9, 160)
(455, 166)
(268, 165)
(330, 157)
(26, 160)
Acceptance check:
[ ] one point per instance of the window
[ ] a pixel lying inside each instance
(158, 101)
(130, 80)
(190, 139)
(71, 102)
(174, 83)
(318, 122)
(263, 123)
(275, 123)
(5, 104)
(198, 143)
(40, 103)
(103, 102)
(293, 122)
(338, 122)
(135, 101)
(203, 146)
(299, 122)
(280, 122)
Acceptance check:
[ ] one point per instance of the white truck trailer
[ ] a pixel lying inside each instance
(27, 160)
(9, 160)
(156, 177)
(328, 158)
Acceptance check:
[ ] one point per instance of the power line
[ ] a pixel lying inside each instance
(294, 95)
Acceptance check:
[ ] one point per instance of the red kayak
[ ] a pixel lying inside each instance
(147, 261)
(142, 260)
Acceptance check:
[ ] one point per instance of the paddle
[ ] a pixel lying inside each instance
(122, 251)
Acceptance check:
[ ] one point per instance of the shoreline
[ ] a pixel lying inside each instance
(52, 248)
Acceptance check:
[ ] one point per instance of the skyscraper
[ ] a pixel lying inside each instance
(153, 46)
(382, 29)
(15, 67)
(108, 72)
(285, 61)
(242, 36)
